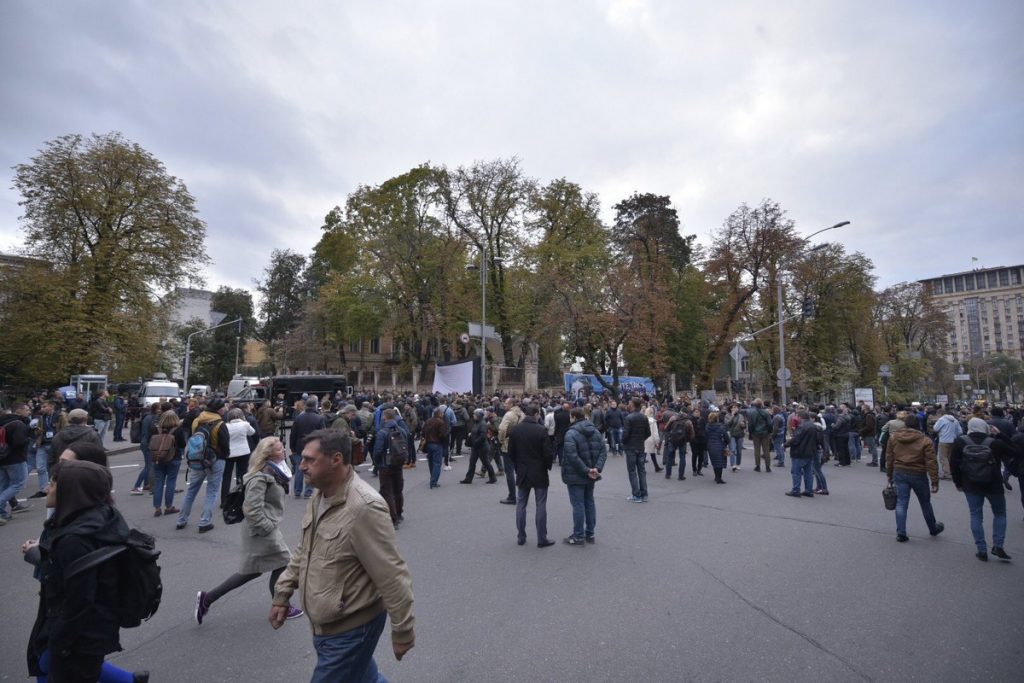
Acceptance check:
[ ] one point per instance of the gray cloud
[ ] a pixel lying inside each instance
(903, 119)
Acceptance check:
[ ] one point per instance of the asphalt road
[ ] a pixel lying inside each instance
(704, 583)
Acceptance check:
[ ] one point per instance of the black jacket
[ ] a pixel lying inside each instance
(636, 430)
(17, 439)
(806, 439)
(584, 449)
(306, 422)
(1001, 449)
(613, 418)
(98, 409)
(77, 615)
(530, 450)
(561, 424)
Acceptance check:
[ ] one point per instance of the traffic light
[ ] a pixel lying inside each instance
(808, 308)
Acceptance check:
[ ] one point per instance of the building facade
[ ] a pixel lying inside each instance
(985, 309)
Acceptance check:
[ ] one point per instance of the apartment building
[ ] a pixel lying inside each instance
(986, 309)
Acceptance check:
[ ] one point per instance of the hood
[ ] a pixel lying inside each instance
(104, 523)
(11, 417)
(585, 427)
(73, 433)
(906, 436)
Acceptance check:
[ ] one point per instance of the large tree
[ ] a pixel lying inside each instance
(113, 229)
(284, 289)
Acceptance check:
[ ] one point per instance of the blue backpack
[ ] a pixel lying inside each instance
(199, 453)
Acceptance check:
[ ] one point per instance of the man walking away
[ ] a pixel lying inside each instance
(635, 431)
(530, 451)
(583, 458)
(975, 465)
(305, 423)
(390, 453)
(948, 430)
(100, 413)
(478, 445)
(909, 455)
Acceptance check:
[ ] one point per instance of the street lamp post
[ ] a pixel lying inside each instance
(782, 323)
(188, 344)
(483, 313)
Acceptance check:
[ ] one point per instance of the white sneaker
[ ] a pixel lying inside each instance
(136, 492)
(447, 468)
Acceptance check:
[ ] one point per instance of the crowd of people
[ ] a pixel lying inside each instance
(245, 449)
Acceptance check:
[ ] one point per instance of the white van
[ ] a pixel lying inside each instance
(158, 391)
(238, 383)
(199, 390)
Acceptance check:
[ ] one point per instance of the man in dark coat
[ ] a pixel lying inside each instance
(636, 431)
(583, 458)
(305, 424)
(529, 449)
(561, 417)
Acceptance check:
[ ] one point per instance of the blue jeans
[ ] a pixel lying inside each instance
(296, 460)
(435, 455)
(348, 657)
(147, 463)
(616, 433)
(779, 444)
(871, 447)
(165, 476)
(636, 466)
(214, 474)
(42, 453)
(584, 512)
(735, 450)
(101, 428)
(12, 479)
(119, 427)
(819, 476)
(108, 672)
(669, 459)
(801, 469)
(854, 446)
(918, 483)
(976, 502)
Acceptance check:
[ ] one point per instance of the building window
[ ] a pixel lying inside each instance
(993, 280)
(355, 346)
(1004, 278)
(981, 280)
(969, 283)
(375, 345)
(959, 284)
(1015, 276)
(948, 284)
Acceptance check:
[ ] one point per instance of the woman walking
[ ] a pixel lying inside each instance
(263, 546)
(166, 465)
(717, 444)
(653, 442)
(239, 431)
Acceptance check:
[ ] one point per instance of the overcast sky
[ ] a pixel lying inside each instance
(906, 118)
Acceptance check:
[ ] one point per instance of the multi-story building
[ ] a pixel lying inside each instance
(986, 309)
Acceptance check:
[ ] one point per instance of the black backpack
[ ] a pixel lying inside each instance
(677, 433)
(138, 576)
(979, 465)
(398, 448)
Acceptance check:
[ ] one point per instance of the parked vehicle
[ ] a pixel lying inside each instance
(238, 383)
(199, 390)
(158, 391)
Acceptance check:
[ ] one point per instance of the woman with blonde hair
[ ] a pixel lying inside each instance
(263, 546)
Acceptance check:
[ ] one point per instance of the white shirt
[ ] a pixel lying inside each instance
(239, 430)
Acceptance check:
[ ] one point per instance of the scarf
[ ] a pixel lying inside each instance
(281, 473)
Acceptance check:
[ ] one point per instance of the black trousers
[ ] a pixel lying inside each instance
(485, 463)
(392, 485)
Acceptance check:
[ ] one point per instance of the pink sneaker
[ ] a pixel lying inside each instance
(294, 613)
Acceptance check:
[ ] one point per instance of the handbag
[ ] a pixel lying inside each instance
(233, 505)
(889, 497)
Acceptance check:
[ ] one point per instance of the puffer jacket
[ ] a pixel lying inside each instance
(583, 450)
(909, 450)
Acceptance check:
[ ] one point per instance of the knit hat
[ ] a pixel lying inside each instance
(977, 426)
(78, 414)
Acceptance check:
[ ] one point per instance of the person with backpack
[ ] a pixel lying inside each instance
(165, 448)
(678, 432)
(390, 454)
(205, 452)
(14, 441)
(143, 482)
(736, 424)
(264, 550)
(975, 465)
(910, 462)
(78, 619)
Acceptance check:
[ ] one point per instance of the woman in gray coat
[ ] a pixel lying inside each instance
(263, 546)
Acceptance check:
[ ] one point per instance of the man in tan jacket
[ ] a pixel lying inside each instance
(347, 566)
(909, 463)
(512, 417)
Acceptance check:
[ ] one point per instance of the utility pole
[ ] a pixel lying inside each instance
(188, 344)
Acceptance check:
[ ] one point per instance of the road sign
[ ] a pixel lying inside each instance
(962, 378)
(865, 394)
(787, 383)
(885, 373)
(784, 373)
(942, 399)
(738, 353)
(961, 371)
(883, 368)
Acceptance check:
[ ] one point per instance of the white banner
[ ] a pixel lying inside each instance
(454, 379)
(866, 395)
